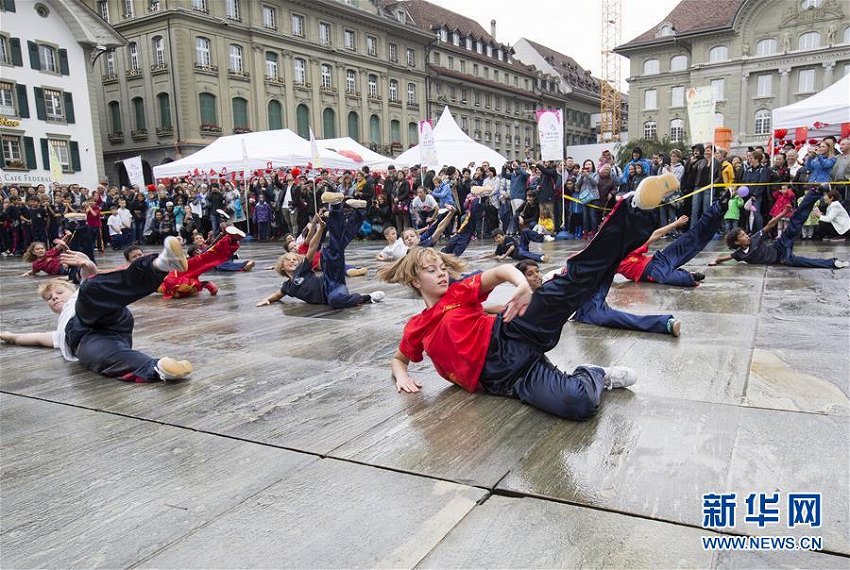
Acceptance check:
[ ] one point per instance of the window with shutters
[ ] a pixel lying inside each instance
(47, 57)
(139, 115)
(7, 99)
(63, 153)
(329, 123)
(354, 125)
(275, 115)
(240, 113)
(209, 113)
(375, 129)
(164, 103)
(53, 105)
(115, 117)
(12, 154)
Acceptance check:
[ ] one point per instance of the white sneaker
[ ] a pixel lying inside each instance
(841, 264)
(619, 377)
(223, 214)
(548, 239)
(170, 369)
(377, 296)
(172, 257)
(234, 231)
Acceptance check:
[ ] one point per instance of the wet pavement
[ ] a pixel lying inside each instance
(289, 446)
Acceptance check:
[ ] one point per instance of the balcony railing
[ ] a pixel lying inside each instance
(204, 68)
(238, 74)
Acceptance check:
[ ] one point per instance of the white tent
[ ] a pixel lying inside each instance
(280, 148)
(350, 148)
(821, 113)
(454, 147)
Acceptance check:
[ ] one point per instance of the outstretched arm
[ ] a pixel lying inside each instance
(507, 253)
(81, 260)
(721, 259)
(273, 298)
(403, 381)
(772, 223)
(316, 241)
(664, 230)
(43, 339)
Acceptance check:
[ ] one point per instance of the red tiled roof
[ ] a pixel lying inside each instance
(575, 75)
(430, 16)
(691, 16)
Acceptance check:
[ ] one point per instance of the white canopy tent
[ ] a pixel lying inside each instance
(821, 113)
(350, 148)
(454, 147)
(280, 148)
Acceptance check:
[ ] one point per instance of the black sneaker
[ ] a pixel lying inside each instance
(697, 276)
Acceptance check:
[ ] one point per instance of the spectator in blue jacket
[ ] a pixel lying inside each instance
(637, 158)
(820, 164)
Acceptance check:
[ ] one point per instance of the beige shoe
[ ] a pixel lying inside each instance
(249, 265)
(170, 369)
(333, 197)
(481, 190)
(356, 203)
(357, 272)
(653, 189)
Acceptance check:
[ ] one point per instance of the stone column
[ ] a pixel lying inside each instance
(828, 66)
(784, 72)
(745, 95)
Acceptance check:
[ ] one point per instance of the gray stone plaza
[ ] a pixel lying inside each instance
(289, 446)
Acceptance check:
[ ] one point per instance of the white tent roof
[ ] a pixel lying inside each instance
(830, 107)
(454, 147)
(347, 145)
(281, 148)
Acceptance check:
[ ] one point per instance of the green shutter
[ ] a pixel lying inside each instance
(75, 156)
(9, 5)
(35, 62)
(15, 48)
(45, 153)
(63, 62)
(164, 110)
(2, 161)
(23, 102)
(208, 111)
(69, 107)
(40, 108)
(275, 115)
(29, 153)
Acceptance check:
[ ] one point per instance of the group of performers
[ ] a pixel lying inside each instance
(496, 350)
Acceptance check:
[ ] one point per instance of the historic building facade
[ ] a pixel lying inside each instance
(48, 93)
(756, 55)
(491, 94)
(194, 70)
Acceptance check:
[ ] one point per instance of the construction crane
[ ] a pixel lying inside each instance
(609, 92)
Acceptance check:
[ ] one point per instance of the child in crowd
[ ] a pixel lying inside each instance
(784, 200)
(811, 222)
(395, 248)
(517, 248)
(302, 283)
(732, 218)
(755, 250)
(262, 216)
(114, 225)
(505, 354)
(95, 326)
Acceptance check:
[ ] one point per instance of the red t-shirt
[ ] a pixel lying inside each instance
(634, 264)
(316, 264)
(455, 333)
(93, 217)
(50, 263)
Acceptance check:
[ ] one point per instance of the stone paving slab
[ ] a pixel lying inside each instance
(656, 457)
(88, 489)
(330, 515)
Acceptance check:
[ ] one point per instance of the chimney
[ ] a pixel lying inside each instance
(493, 28)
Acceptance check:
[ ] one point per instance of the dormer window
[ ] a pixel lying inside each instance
(444, 35)
(666, 30)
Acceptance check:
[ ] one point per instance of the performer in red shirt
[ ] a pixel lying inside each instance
(505, 354)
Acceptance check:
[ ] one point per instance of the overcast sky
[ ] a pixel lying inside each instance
(572, 27)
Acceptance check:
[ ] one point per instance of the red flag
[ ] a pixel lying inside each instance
(801, 134)
(845, 130)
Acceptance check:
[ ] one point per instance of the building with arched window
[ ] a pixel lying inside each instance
(756, 55)
(47, 108)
